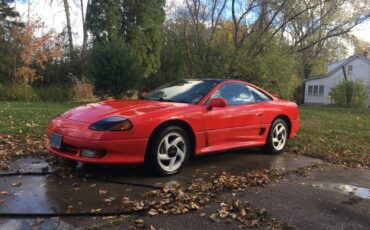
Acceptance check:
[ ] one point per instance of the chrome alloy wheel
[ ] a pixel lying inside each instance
(171, 152)
(279, 137)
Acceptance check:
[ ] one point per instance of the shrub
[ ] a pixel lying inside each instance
(114, 68)
(16, 92)
(83, 91)
(350, 94)
(54, 93)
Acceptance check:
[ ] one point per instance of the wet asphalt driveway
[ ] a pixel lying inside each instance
(329, 197)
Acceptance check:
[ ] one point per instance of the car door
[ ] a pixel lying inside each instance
(238, 122)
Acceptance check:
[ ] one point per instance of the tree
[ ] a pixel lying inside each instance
(69, 26)
(350, 94)
(137, 22)
(84, 26)
(141, 27)
(8, 20)
(361, 46)
(226, 40)
(34, 51)
(137, 25)
(114, 68)
(104, 20)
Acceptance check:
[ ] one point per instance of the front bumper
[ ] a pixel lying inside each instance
(116, 151)
(118, 147)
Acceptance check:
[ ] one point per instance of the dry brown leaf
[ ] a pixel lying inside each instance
(153, 212)
(16, 184)
(4, 193)
(95, 210)
(40, 220)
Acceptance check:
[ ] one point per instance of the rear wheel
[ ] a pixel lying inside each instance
(168, 151)
(278, 137)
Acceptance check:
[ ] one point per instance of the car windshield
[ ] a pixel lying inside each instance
(183, 91)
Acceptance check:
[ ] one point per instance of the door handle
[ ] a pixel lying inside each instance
(259, 114)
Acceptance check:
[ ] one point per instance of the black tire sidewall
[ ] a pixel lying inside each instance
(269, 145)
(152, 158)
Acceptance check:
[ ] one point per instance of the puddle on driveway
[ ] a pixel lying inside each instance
(345, 188)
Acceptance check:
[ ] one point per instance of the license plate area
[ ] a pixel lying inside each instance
(56, 141)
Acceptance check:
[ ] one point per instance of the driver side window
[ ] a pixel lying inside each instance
(234, 93)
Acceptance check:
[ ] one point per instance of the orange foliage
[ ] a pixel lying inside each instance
(36, 48)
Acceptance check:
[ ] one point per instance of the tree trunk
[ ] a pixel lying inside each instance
(84, 43)
(263, 18)
(69, 28)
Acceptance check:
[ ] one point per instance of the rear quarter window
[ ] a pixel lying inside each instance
(258, 95)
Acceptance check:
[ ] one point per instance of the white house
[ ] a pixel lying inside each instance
(357, 68)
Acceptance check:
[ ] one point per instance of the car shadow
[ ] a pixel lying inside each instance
(235, 161)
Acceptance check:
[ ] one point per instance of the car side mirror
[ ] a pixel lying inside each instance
(144, 93)
(217, 103)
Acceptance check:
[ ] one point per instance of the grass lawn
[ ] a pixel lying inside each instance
(23, 118)
(337, 135)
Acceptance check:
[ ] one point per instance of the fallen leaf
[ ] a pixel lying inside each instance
(139, 221)
(153, 212)
(109, 200)
(40, 220)
(3, 193)
(4, 167)
(70, 209)
(194, 206)
(95, 210)
(16, 184)
(109, 217)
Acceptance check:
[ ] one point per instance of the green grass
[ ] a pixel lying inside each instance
(337, 135)
(29, 118)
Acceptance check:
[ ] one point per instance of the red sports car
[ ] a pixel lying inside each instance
(171, 123)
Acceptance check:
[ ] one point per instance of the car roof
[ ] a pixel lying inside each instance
(217, 80)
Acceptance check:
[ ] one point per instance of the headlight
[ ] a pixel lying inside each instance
(112, 124)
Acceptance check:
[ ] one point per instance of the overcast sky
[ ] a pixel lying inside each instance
(54, 17)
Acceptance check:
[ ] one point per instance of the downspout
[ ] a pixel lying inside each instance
(344, 73)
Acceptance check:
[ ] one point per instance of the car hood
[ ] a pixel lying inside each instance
(127, 108)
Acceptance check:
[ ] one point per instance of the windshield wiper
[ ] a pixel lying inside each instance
(170, 100)
(166, 100)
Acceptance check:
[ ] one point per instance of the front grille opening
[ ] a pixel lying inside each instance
(69, 148)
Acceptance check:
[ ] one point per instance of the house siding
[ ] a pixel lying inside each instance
(360, 72)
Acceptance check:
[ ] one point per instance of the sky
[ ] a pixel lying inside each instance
(54, 17)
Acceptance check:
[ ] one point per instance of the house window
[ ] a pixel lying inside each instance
(321, 90)
(349, 69)
(310, 88)
(315, 90)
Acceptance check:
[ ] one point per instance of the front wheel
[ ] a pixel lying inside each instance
(168, 151)
(278, 137)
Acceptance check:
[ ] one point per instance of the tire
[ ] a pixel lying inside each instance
(168, 151)
(278, 137)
